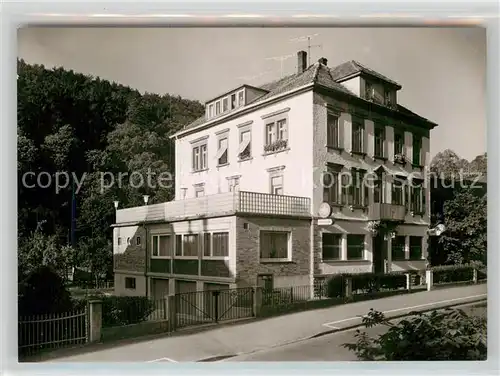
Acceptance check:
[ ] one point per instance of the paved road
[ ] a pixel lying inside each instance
(326, 348)
(258, 335)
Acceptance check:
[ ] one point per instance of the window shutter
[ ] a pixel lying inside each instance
(364, 138)
(385, 145)
(341, 127)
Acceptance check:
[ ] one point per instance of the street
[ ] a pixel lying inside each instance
(326, 348)
(243, 339)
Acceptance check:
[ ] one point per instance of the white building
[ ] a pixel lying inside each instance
(252, 174)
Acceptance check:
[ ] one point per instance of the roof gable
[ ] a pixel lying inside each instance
(354, 67)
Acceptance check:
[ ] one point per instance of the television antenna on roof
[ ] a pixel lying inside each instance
(307, 38)
(281, 59)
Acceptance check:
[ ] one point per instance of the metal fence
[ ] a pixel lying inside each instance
(203, 307)
(51, 331)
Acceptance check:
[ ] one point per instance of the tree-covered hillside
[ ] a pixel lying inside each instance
(89, 129)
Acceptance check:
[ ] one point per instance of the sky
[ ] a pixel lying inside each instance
(442, 70)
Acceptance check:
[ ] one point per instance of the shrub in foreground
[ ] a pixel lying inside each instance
(125, 310)
(440, 335)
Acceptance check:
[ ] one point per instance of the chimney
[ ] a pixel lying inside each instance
(301, 61)
(323, 61)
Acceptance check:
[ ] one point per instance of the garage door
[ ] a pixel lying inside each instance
(160, 288)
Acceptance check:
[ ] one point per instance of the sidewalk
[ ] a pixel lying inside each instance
(261, 334)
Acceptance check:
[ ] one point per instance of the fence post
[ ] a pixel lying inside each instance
(429, 279)
(95, 320)
(257, 301)
(172, 312)
(408, 282)
(348, 287)
(474, 275)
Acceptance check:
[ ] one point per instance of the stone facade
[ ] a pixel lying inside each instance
(130, 257)
(248, 263)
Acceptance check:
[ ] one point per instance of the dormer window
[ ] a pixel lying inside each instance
(369, 91)
(241, 98)
(387, 98)
(225, 104)
(217, 108)
(233, 101)
(211, 111)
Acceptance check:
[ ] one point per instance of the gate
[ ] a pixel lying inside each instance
(204, 307)
(42, 332)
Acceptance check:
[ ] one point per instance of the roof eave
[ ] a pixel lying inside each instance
(243, 110)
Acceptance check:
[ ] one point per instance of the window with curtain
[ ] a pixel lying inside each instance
(274, 245)
(398, 248)
(331, 246)
(355, 247)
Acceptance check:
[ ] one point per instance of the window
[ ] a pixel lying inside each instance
(199, 191)
(379, 141)
(416, 247)
(245, 148)
(220, 244)
(398, 248)
(233, 101)
(332, 131)
(377, 190)
(357, 137)
(119, 241)
(331, 246)
(162, 246)
(398, 143)
(274, 245)
(200, 157)
(276, 131)
(355, 247)
(222, 152)
(190, 245)
(417, 196)
(331, 186)
(345, 182)
(417, 146)
(281, 125)
(211, 111)
(130, 283)
(356, 189)
(397, 192)
(225, 104)
(217, 108)
(138, 240)
(387, 97)
(277, 185)
(368, 91)
(216, 244)
(241, 98)
(178, 245)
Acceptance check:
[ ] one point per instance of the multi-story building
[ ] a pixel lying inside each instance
(255, 173)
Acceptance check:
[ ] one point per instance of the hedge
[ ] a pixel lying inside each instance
(365, 283)
(125, 310)
(452, 273)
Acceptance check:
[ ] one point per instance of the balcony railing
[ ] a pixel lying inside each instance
(387, 212)
(222, 203)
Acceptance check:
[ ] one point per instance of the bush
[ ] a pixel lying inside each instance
(440, 335)
(452, 273)
(336, 286)
(125, 310)
(365, 283)
(44, 292)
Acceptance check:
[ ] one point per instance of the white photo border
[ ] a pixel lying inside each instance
(226, 13)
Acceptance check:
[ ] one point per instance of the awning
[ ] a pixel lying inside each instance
(244, 144)
(221, 150)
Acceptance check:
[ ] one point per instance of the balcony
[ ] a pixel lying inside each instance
(230, 203)
(387, 212)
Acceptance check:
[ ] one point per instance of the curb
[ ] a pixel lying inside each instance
(347, 328)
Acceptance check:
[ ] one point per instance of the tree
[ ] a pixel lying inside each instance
(465, 238)
(447, 164)
(43, 292)
(440, 335)
(43, 250)
(479, 164)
